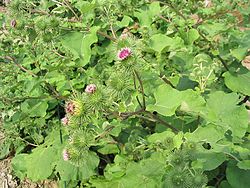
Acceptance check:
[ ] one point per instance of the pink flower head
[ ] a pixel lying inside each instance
(124, 53)
(13, 23)
(65, 155)
(70, 107)
(65, 121)
(91, 88)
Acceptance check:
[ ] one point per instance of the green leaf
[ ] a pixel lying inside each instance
(124, 22)
(192, 101)
(146, 16)
(239, 53)
(85, 6)
(236, 177)
(210, 160)
(5, 149)
(192, 36)
(108, 149)
(222, 110)
(245, 165)
(19, 165)
(238, 82)
(87, 41)
(80, 45)
(40, 163)
(160, 137)
(34, 107)
(225, 184)
(214, 28)
(73, 42)
(201, 134)
(167, 100)
(160, 41)
(69, 172)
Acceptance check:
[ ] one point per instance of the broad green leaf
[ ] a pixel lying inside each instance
(104, 183)
(177, 43)
(54, 77)
(178, 140)
(146, 173)
(210, 160)
(34, 107)
(40, 163)
(222, 110)
(239, 53)
(87, 41)
(214, 28)
(5, 149)
(146, 16)
(209, 133)
(19, 165)
(238, 82)
(236, 177)
(160, 137)
(245, 165)
(244, 152)
(69, 172)
(225, 184)
(192, 35)
(85, 6)
(167, 100)
(124, 22)
(73, 42)
(80, 44)
(191, 101)
(160, 41)
(109, 149)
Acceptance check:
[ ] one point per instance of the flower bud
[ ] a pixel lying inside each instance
(13, 23)
(91, 88)
(74, 107)
(65, 155)
(70, 107)
(65, 121)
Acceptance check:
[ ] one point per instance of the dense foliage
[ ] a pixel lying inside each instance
(105, 93)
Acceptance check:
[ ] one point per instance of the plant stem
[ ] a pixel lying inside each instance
(166, 81)
(142, 89)
(108, 130)
(106, 35)
(155, 117)
(126, 115)
(136, 89)
(65, 2)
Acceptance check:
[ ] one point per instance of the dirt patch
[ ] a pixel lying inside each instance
(7, 180)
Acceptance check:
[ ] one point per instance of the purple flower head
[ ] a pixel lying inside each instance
(13, 23)
(91, 88)
(65, 155)
(70, 107)
(124, 53)
(65, 121)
